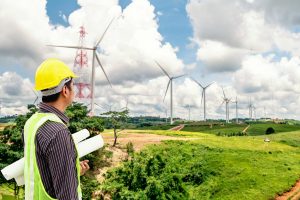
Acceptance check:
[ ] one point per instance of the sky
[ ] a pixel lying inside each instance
(250, 48)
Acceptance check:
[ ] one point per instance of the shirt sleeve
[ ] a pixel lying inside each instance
(61, 157)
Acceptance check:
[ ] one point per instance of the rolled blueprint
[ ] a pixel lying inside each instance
(20, 180)
(16, 169)
(85, 147)
(92, 144)
(80, 135)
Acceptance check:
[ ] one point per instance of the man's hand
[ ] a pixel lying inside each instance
(84, 166)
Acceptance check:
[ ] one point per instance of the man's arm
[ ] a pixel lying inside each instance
(61, 157)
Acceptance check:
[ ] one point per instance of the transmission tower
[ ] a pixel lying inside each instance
(82, 84)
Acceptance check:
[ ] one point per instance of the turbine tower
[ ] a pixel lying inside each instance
(170, 83)
(95, 56)
(203, 97)
(250, 106)
(236, 110)
(226, 100)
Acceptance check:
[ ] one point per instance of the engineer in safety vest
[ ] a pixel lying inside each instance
(52, 168)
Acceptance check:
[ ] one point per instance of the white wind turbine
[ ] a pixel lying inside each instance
(236, 110)
(203, 97)
(95, 56)
(170, 83)
(250, 106)
(226, 100)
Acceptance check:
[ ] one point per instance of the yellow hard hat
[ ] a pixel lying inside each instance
(50, 73)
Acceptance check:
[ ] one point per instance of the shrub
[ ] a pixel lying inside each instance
(270, 130)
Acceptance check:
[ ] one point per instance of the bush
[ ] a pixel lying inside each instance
(129, 148)
(270, 130)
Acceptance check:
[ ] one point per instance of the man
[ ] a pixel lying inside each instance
(52, 167)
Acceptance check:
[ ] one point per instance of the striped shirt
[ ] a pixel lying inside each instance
(56, 156)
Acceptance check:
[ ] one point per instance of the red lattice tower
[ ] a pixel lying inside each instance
(82, 83)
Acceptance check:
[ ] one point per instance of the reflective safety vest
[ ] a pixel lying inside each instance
(34, 188)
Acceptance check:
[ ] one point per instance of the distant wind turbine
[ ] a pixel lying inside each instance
(95, 56)
(226, 100)
(236, 110)
(250, 106)
(170, 83)
(37, 97)
(203, 97)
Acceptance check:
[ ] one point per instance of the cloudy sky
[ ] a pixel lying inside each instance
(251, 48)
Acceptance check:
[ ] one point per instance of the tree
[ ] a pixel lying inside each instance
(117, 120)
(79, 120)
(270, 130)
(11, 144)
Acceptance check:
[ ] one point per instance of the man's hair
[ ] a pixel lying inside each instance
(54, 97)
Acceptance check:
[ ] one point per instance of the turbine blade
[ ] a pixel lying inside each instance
(167, 89)
(34, 92)
(223, 93)
(102, 69)
(105, 31)
(163, 69)
(197, 82)
(221, 105)
(71, 47)
(35, 100)
(179, 76)
(99, 105)
(209, 84)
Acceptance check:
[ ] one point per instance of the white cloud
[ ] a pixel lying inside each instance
(239, 26)
(218, 57)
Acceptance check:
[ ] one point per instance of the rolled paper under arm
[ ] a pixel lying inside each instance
(80, 135)
(88, 146)
(85, 147)
(20, 180)
(16, 169)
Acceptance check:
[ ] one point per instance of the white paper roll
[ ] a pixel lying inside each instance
(16, 169)
(80, 135)
(85, 147)
(92, 144)
(20, 180)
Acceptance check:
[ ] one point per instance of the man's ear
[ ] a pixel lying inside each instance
(64, 91)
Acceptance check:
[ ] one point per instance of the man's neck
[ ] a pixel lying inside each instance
(60, 106)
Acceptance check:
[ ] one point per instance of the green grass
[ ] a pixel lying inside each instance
(215, 129)
(7, 192)
(260, 129)
(254, 129)
(212, 167)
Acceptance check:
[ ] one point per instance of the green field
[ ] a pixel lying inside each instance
(209, 167)
(254, 129)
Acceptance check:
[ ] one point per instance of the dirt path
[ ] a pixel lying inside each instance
(177, 128)
(139, 141)
(244, 131)
(293, 194)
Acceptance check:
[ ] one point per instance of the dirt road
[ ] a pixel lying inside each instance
(293, 194)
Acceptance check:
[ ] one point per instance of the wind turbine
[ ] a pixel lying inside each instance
(226, 100)
(95, 56)
(203, 96)
(250, 106)
(236, 110)
(170, 83)
(37, 97)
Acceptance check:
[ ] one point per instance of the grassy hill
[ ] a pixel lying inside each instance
(254, 129)
(209, 167)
